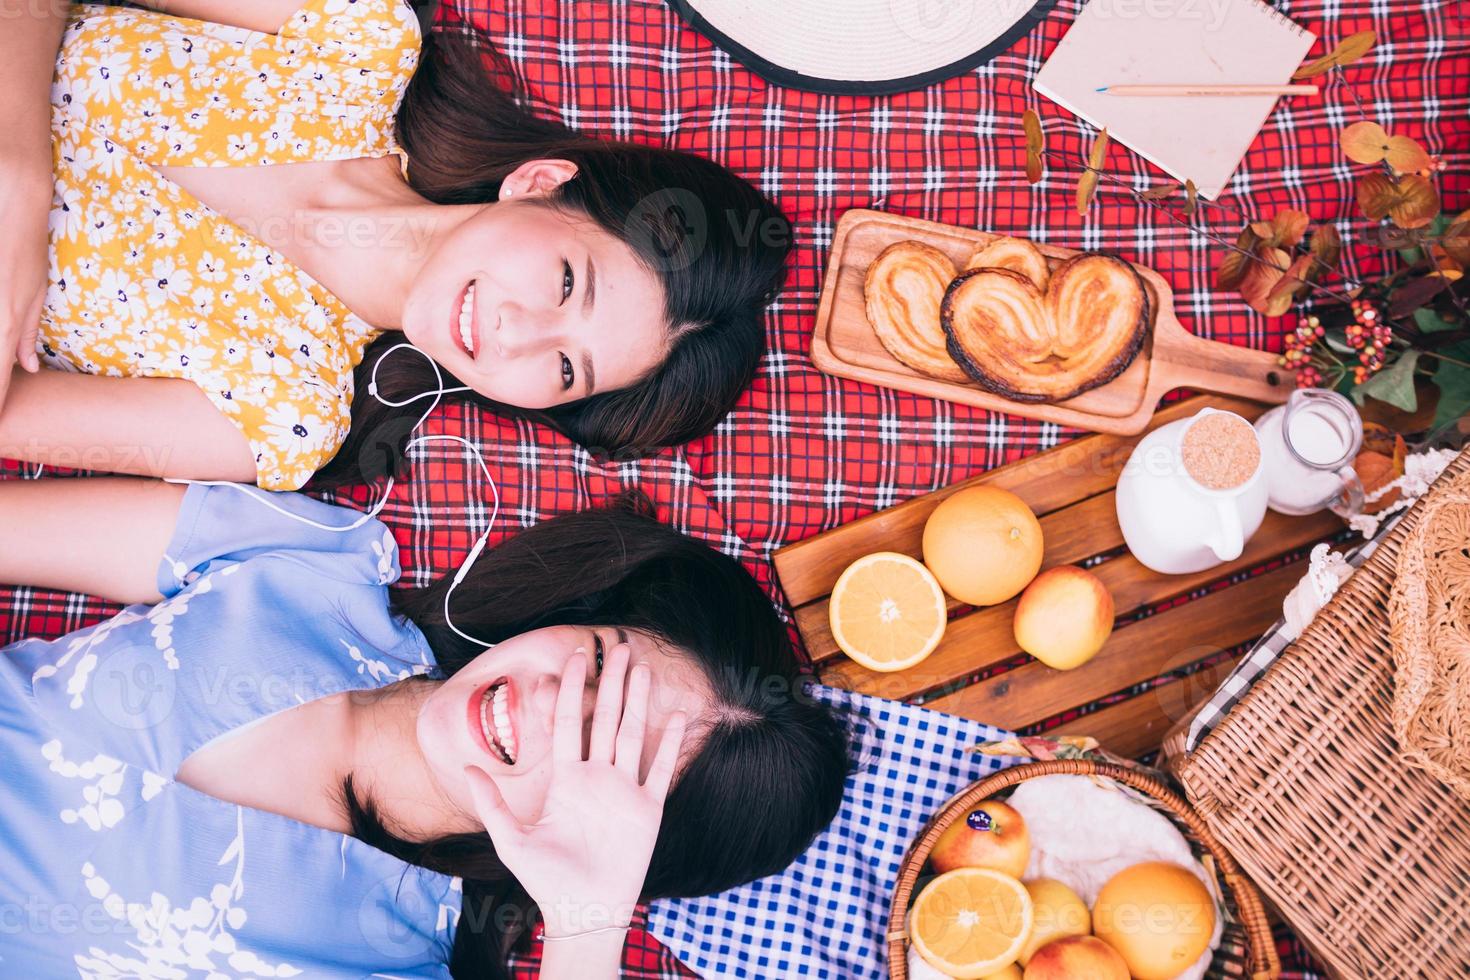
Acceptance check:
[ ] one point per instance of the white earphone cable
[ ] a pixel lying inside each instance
(262, 496)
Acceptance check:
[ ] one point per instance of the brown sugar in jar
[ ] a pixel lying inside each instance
(1220, 451)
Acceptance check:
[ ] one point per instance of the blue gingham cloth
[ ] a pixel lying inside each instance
(826, 916)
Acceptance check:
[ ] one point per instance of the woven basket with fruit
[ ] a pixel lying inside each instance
(1072, 867)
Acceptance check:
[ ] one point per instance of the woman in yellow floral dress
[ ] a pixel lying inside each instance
(252, 203)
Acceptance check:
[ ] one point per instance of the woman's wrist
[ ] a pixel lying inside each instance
(583, 939)
(589, 956)
(567, 919)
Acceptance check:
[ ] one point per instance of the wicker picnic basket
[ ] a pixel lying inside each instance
(1246, 949)
(1364, 854)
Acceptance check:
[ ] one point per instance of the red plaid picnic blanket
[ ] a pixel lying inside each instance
(805, 452)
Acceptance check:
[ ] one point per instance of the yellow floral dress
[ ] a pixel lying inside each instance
(145, 280)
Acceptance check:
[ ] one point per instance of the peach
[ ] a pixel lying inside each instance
(992, 835)
(1064, 617)
(1076, 958)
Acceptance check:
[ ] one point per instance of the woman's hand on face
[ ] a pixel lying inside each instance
(23, 274)
(585, 858)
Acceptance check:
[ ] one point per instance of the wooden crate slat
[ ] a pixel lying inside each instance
(1131, 584)
(1080, 531)
(1133, 588)
(1073, 471)
(1071, 490)
(1134, 654)
(1137, 726)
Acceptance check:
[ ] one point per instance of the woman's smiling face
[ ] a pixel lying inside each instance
(534, 308)
(496, 712)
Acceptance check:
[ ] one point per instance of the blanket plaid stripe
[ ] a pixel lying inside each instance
(805, 452)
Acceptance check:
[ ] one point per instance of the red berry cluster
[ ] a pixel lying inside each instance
(1370, 337)
(1298, 354)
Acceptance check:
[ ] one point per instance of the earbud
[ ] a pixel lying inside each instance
(437, 393)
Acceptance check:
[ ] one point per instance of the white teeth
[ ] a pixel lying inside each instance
(503, 728)
(495, 706)
(466, 310)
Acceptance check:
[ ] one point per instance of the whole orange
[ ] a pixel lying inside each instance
(983, 544)
(1158, 916)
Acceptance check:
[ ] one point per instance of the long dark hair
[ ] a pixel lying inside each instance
(717, 245)
(766, 745)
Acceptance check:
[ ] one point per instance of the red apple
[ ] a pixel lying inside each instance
(990, 835)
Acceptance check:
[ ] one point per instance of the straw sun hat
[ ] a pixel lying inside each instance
(862, 47)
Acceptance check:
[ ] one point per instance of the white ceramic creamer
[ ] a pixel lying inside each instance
(1173, 523)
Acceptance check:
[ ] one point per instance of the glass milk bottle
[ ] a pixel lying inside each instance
(1308, 447)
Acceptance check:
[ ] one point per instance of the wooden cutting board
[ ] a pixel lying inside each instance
(845, 345)
(1173, 627)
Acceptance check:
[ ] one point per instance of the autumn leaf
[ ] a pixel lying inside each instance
(1086, 187)
(1406, 156)
(1087, 183)
(1419, 202)
(1409, 201)
(1258, 287)
(1444, 265)
(1035, 144)
(1379, 463)
(1289, 226)
(1191, 198)
(1035, 139)
(1413, 294)
(1456, 240)
(1160, 192)
(1099, 153)
(1326, 248)
(1233, 267)
(1348, 50)
(1284, 230)
(1364, 142)
(1286, 290)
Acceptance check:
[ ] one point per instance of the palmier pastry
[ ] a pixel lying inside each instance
(902, 292)
(1032, 347)
(1015, 254)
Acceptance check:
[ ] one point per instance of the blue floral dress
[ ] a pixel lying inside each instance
(110, 868)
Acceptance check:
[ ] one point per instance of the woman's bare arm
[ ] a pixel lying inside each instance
(104, 537)
(30, 33)
(161, 427)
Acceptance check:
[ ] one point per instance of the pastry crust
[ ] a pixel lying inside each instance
(1028, 346)
(1015, 254)
(902, 293)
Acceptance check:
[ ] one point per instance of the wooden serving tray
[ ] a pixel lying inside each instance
(845, 345)
(1071, 490)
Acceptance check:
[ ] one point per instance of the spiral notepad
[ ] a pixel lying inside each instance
(1167, 42)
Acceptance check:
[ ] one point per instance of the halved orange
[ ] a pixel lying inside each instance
(971, 922)
(887, 611)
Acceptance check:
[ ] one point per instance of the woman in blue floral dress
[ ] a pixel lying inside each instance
(270, 766)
